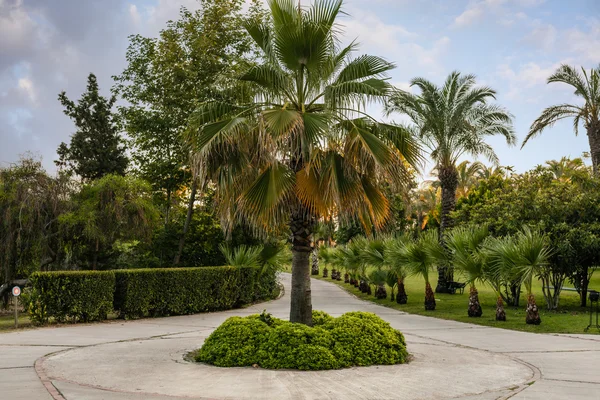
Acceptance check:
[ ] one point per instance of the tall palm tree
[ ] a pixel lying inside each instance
(465, 244)
(452, 121)
(587, 86)
(304, 149)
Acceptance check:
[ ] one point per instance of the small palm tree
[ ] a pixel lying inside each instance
(465, 244)
(303, 149)
(394, 251)
(587, 86)
(419, 257)
(524, 255)
(567, 169)
(452, 121)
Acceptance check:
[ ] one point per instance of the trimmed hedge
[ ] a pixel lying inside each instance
(180, 291)
(91, 295)
(71, 296)
(354, 339)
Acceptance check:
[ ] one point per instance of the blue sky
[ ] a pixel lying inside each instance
(511, 45)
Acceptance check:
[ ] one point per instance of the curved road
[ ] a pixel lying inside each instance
(144, 360)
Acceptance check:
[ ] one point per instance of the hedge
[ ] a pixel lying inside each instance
(71, 296)
(179, 291)
(354, 339)
(91, 295)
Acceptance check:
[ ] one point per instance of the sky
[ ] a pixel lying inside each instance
(47, 46)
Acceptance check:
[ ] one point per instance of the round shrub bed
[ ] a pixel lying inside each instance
(354, 339)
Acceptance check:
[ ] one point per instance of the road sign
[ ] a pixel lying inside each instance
(16, 291)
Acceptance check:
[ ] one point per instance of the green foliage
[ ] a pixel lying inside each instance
(166, 77)
(96, 149)
(107, 210)
(179, 291)
(355, 338)
(30, 203)
(75, 296)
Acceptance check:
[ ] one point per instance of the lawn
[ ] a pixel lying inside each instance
(570, 318)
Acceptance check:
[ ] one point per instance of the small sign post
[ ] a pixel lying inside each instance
(16, 292)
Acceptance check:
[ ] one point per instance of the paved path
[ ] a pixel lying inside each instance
(143, 359)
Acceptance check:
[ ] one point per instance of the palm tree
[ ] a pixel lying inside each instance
(304, 149)
(524, 255)
(489, 171)
(587, 86)
(418, 257)
(465, 244)
(567, 169)
(394, 249)
(452, 121)
(468, 175)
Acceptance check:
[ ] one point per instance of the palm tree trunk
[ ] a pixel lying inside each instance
(474, 306)
(500, 313)
(532, 316)
(449, 181)
(401, 297)
(186, 225)
(593, 133)
(301, 226)
(429, 298)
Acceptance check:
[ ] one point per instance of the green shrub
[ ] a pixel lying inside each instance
(355, 338)
(180, 291)
(71, 296)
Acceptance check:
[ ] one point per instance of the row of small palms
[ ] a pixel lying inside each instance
(479, 257)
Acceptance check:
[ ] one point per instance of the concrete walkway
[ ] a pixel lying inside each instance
(144, 360)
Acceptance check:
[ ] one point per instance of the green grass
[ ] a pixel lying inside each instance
(7, 322)
(571, 318)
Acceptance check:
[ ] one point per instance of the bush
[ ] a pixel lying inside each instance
(71, 296)
(180, 291)
(355, 338)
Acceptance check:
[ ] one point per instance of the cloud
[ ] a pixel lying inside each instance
(503, 10)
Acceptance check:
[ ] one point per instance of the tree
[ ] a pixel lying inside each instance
(96, 148)
(468, 174)
(465, 244)
(587, 86)
(418, 257)
(110, 209)
(191, 61)
(303, 150)
(31, 202)
(526, 255)
(451, 121)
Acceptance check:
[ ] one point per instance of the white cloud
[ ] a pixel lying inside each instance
(26, 85)
(543, 36)
(134, 14)
(469, 16)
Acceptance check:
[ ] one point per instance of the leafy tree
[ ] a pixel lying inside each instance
(565, 210)
(587, 86)
(303, 150)
(96, 148)
(191, 61)
(113, 208)
(451, 121)
(31, 202)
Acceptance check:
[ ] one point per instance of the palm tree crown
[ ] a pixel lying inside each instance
(587, 86)
(304, 149)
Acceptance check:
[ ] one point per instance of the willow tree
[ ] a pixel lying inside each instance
(453, 121)
(587, 87)
(304, 149)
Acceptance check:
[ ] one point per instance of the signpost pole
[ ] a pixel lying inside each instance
(16, 299)
(16, 292)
